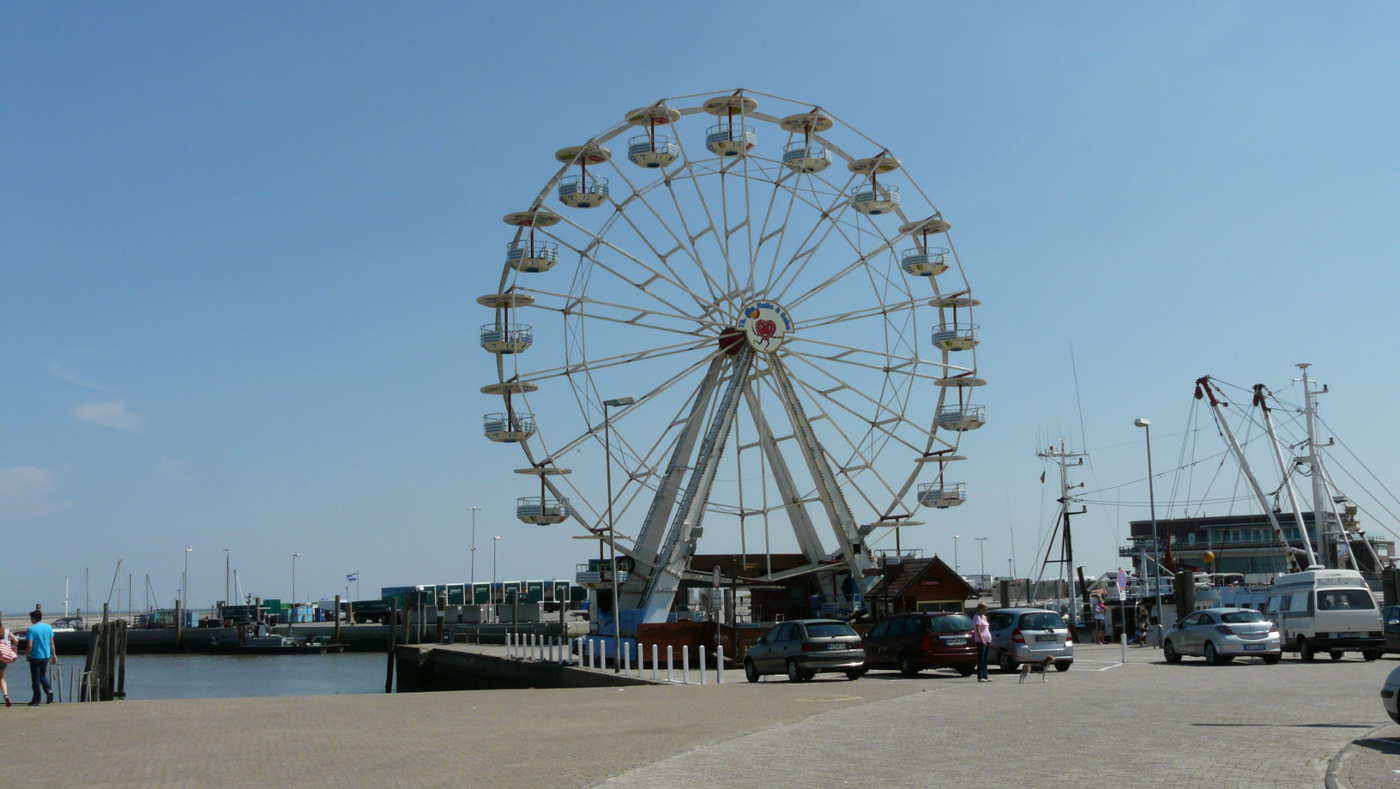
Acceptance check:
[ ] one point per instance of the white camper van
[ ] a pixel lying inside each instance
(1330, 611)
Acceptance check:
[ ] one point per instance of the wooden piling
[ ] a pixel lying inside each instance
(121, 658)
(393, 631)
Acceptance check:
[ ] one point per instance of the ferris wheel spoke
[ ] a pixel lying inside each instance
(806, 250)
(603, 363)
(859, 314)
(633, 315)
(892, 416)
(893, 364)
(640, 195)
(653, 275)
(721, 241)
(623, 413)
(862, 262)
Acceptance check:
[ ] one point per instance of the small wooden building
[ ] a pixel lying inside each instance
(919, 585)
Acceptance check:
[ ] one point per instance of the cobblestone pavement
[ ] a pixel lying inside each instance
(1371, 760)
(1143, 724)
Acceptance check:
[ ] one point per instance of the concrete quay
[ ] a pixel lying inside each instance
(1140, 724)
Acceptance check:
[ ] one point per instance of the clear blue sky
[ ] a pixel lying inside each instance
(239, 248)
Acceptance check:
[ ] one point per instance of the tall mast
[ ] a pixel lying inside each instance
(1204, 389)
(1287, 480)
(1064, 459)
(1319, 486)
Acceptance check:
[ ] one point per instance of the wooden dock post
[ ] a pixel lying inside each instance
(121, 659)
(337, 617)
(393, 631)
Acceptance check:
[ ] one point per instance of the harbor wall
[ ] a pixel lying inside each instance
(458, 667)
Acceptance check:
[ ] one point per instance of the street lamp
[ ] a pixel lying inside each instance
(494, 542)
(294, 578)
(1146, 425)
(955, 556)
(474, 510)
(982, 549)
(616, 402)
(185, 580)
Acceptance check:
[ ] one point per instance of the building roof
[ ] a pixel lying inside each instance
(922, 579)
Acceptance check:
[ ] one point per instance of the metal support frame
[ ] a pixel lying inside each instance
(793, 503)
(1283, 474)
(843, 523)
(661, 587)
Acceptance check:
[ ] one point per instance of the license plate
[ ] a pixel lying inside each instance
(837, 646)
(955, 642)
(1050, 637)
(1255, 646)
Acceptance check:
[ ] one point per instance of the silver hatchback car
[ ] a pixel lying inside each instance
(1221, 634)
(801, 648)
(1029, 635)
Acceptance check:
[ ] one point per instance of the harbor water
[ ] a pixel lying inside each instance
(188, 676)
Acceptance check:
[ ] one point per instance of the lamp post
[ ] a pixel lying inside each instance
(474, 510)
(982, 551)
(616, 402)
(495, 541)
(185, 580)
(1146, 425)
(955, 556)
(294, 578)
(226, 577)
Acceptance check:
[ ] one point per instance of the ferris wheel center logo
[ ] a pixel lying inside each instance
(766, 325)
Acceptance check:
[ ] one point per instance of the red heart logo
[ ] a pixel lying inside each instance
(765, 328)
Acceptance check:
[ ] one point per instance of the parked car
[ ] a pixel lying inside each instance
(1221, 634)
(914, 642)
(1389, 692)
(1390, 619)
(802, 648)
(1330, 611)
(1029, 635)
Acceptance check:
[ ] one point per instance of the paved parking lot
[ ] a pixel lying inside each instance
(1143, 724)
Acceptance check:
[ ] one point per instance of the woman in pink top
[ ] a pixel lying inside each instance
(982, 636)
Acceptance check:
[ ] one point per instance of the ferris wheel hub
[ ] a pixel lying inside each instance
(765, 325)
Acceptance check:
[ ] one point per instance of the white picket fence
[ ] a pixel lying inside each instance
(590, 652)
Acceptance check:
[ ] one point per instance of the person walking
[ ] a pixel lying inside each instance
(1100, 621)
(9, 652)
(41, 653)
(982, 637)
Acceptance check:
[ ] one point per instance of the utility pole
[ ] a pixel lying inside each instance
(1321, 502)
(475, 509)
(1065, 458)
(982, 552)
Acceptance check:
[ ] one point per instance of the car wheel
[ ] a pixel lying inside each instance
(1305, 650)
(1213, 657)
(750, 670)
(1169, 652)
(1271, 659)
(1370, 654)
(794, 673)
(1063, 665)
(1336, 654)
(907, 667)
(1005, 663)
(966, 671)
(855, 674)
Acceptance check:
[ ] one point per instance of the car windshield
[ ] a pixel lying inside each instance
(1239, 617)
(1041, 620)
(1345, 600)
(828, 629)
(957, 623)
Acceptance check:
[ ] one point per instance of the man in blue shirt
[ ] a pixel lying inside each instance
(41, 651)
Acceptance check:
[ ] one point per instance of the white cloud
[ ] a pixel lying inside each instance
(28, 491)
(109, 413)
(69, 377)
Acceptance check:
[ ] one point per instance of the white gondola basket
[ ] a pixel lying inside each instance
(725, 139)
(877, 201)
(927, 262)
(578, 191)
(962, 417)
(532, 256)
(942, 495)
(806, 157)
(955, 338)
(501, 339)
(647, 151)
(541, 510)
(508, 428)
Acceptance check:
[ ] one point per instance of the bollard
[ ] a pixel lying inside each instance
(627, 659)
(641, 658)
(700, 650)
(685, 665)
(670, 663)
(654, 663)
(587, 653)
(719, 665)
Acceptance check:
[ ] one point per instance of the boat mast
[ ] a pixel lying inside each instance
(1204, 389)
(1287, 481)
(1319, 487)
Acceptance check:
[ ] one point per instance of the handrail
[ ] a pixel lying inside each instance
(538, 249)
(932, 252)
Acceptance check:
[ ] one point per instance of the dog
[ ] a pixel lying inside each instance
(1044, 671)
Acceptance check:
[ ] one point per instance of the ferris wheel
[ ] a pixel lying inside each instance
(756, 316)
